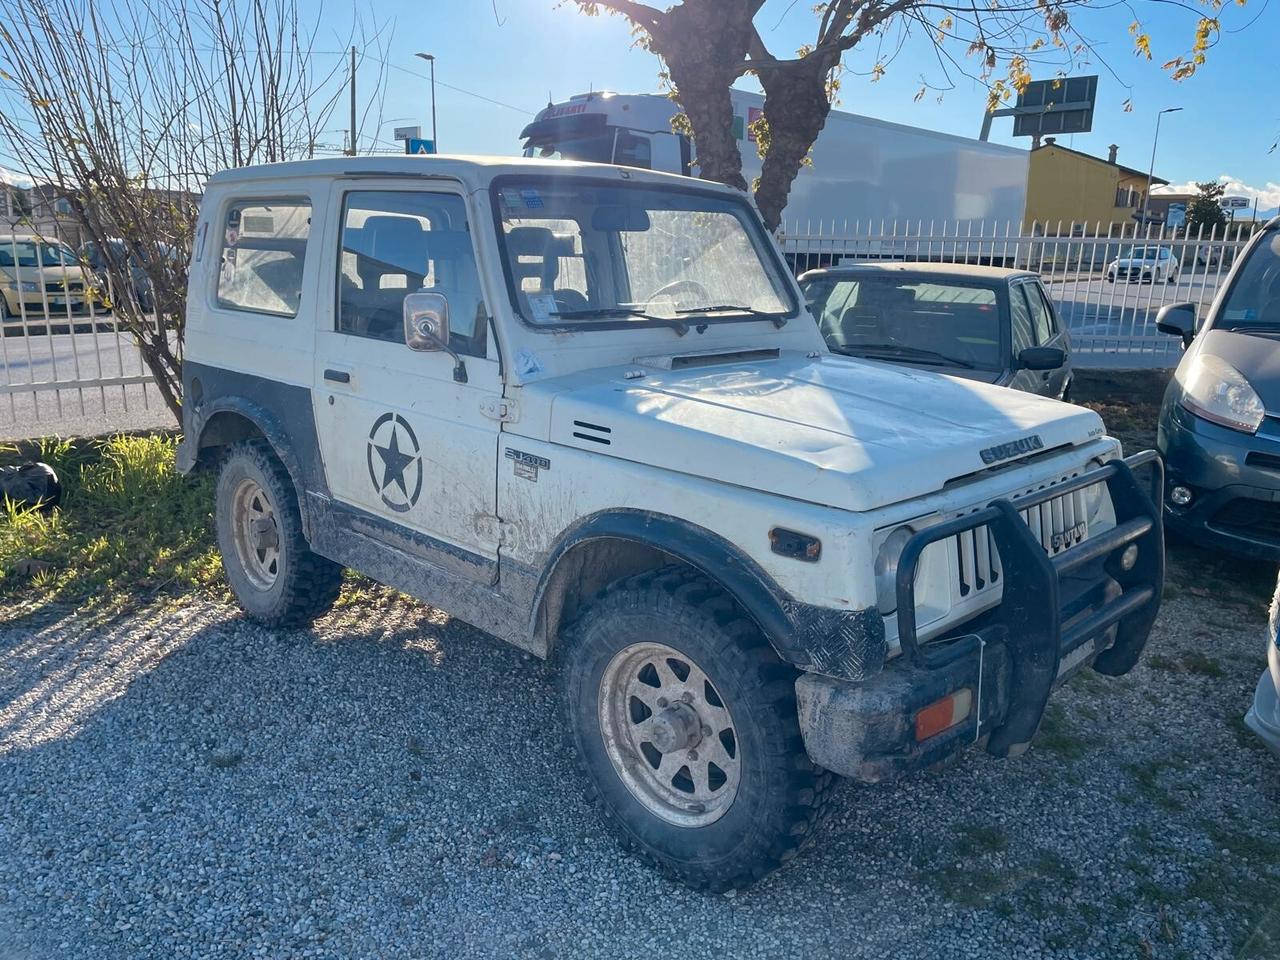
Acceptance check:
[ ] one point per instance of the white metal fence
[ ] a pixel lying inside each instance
(65, 363)
(64, 369)
(1112, 324)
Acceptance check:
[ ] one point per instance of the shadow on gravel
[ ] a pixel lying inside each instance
(392, 784)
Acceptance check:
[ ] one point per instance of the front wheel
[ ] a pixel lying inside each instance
(268, 563)
(685, 722)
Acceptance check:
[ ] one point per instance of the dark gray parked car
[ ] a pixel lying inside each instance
(1220, 422)
(983, 323)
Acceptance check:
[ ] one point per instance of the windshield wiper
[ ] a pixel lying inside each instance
(918, 354)
(778, 319)
(606, 313)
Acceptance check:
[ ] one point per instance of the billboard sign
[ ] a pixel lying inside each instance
(1176, 216)
(1063, 105)
(1236, 203)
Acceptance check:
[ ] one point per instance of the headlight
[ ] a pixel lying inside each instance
(1218, 392)
(26, 286)
(887, 569)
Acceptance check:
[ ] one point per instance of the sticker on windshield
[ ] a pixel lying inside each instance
(532, 199)
(542, 306)
(1245, 314)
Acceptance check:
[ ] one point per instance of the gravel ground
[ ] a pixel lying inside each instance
(182, 783)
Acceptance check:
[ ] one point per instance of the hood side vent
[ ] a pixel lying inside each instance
(682, 361)
(592, 431)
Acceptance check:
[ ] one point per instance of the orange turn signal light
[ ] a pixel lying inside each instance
(944, 714)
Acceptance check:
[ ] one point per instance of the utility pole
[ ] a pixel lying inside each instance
(352, 149)
(1151, 171)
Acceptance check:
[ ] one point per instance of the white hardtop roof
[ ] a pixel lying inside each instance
(476, 172)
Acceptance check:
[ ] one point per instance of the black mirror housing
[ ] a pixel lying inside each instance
(1042, 358)
(1179, 320)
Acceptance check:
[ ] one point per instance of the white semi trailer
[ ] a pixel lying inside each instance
(864, 170)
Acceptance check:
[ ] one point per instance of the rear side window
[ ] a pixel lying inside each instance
(264, 246)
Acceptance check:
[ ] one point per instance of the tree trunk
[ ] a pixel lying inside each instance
(704, 45)
(796, 105)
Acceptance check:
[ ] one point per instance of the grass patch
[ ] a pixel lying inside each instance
(1193, 661)
(974, 841)
(1146, 777)
(1196, 661)
(129, 527)
(1056, 735)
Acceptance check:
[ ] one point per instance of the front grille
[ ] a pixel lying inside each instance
(1256, 519)
(1058, 524)
(57, 286)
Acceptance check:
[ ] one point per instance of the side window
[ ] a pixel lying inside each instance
(1020, 320)
(398, 242)
(264, 244)
(1041, 315)
(632, 151)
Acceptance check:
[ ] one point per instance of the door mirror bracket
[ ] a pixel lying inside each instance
(426, 328)
(1041, 358)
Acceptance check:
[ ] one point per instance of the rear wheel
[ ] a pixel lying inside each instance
(269, 565)
(685, 722)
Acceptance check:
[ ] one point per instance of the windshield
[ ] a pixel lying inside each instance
(29, 253)
(1142, 253)
(1254, 297)
(583, 254)
(935, 322)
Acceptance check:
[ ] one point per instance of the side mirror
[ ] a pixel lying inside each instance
(426, 322)
(1179, 320)
(1042, 358)
(426, 328)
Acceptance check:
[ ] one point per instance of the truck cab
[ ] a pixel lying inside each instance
(583, 408)
(628, 130)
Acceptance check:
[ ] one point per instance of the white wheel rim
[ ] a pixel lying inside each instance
(669, 734)
(256, 533)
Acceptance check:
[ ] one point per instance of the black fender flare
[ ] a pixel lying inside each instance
(846, 644)
(268, 424)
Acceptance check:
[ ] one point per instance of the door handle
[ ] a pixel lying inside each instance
(337, 376)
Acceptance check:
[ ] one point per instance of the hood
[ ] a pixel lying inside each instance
(847, 433)
(51, 274)
(1255, 355)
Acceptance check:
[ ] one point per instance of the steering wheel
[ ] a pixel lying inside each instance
(676, 287)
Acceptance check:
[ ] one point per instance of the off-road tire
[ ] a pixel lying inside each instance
(780, 793)
(306, 584)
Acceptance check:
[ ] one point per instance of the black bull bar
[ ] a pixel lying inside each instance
(1029, 617)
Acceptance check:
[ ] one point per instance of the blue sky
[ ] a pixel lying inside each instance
(1229, 121)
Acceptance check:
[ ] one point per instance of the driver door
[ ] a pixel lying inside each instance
(403, 440)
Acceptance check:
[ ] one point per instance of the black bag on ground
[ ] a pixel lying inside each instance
(31, 485)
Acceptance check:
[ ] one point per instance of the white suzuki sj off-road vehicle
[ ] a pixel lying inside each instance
(583, 408)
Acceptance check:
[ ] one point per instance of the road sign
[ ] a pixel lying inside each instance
(1052, 107)
(418, 145)
(1236, 203)
(408, 133)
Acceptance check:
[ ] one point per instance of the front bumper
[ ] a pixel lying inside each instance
(1234, 479)
(1263, 717)
(1057, 614)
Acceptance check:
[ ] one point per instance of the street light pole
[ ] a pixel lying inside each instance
(1151, 171)
(430, 58)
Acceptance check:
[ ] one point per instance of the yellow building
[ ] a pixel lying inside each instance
(1086, 195)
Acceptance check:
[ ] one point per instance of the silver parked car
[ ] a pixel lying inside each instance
(1263, 717)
